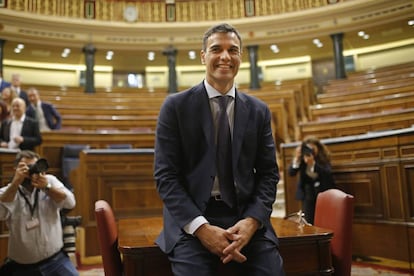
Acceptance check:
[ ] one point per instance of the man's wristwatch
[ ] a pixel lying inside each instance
(48, 187)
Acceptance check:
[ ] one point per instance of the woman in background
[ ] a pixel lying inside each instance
(312, 161)
(7, 96)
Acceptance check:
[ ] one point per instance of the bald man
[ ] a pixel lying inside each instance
(19, 131)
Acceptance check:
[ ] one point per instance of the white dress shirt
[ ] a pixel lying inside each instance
(31, 245)
(191, 227)
(15, 130)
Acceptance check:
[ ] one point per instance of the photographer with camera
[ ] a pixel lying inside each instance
(312, 161)
(30, 205)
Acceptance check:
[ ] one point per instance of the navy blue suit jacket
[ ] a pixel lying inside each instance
(185, 161)
(30, 132)
(52, 116)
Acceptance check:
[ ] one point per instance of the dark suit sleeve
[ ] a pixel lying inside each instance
(325, 177)
(31, 134)
(31, 112)
(4, 133)
(58, 118)
(169, 166)
(53, 117)
(266, 176)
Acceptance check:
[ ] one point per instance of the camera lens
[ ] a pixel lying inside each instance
(40, 166)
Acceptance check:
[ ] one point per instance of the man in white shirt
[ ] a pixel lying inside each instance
(20, 131)
(30, 204)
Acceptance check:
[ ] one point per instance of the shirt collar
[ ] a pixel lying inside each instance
(212, 92)
(21, 118)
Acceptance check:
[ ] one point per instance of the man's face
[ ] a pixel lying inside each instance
(15, 80)
(18, 108)
(222, 58)
(33, 96)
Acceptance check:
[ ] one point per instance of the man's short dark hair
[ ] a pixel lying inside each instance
(220, 28)
(28, 154)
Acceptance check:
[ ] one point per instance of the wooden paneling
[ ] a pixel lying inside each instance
(381, 239)
(124, 178)
(365, 186)
(7, 158)
(53, 142)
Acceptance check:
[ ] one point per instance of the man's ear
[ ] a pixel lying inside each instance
(202, 57)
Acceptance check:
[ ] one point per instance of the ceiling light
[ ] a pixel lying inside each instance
(274, 48)
(151, 56)
(20, 46)
(109, 55)
(316, 41)
(366, 36)
(411, 22)
(17, 50)
(192, 55)
(65, 53)
(361, 33)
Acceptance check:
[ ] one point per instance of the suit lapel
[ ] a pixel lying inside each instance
(202, 107)
(241, 115)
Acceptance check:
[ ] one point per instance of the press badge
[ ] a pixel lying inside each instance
(32, 223)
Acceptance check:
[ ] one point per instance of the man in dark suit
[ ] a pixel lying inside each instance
(205, 224)
(45, 113)
(16, 83)
(20, 131)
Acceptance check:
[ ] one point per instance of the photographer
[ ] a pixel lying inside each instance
(312, 161)
(30, 205)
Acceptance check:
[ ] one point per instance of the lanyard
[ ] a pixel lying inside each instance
(32, 208)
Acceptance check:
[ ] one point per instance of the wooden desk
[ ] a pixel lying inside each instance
(305, 250)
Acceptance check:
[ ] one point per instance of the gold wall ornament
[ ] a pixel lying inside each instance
(89, 9)
(130, 13)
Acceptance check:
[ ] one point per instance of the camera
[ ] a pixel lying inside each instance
(307, 150)
(40, 166)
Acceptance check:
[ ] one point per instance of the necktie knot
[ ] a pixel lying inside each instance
(223, 100)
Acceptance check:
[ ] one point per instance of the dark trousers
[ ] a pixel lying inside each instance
(309, 203)
(57, 265)
(190, 257)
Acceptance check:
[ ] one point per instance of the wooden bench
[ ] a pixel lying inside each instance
(280, 124)
(371, 84)
(352, 81)
(359, 124)
(291, 99)
(95, 100)
(53, 142)
(379, 72)
(124, 110)
(368, 105)
(365, 93)
(120, 122)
